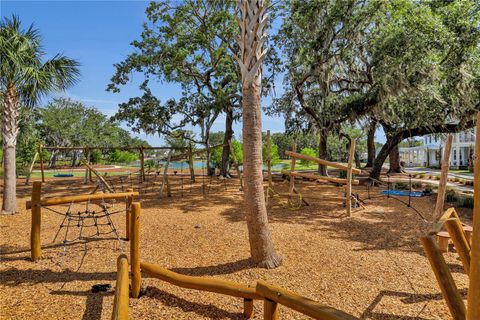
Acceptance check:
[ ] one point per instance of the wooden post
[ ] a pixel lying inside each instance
(454, 227)
(35, 241)
(120, 301)
(190, 163)
(442, 185)
(235, 163)
(135, 249)
(248, 308)
(351, 155)
(87, 170)
(474, 288)
(444, 278)
(270, 310)
(30, 169)
(292, 169)
(142, 165)
(99, 176)
(40, 151)
(128, 214)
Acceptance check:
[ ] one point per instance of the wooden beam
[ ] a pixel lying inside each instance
(30, 169)
(455, 230)
(474, 288)
(40, 155)
(321, 161)
(351, 155)
(444, 278)
(299, 303)
(442, 184)
(292, 169)
(225, 287)
(311, 196)
(45, 202)
(248, 308)
(120, 301)
(99, 176)
(35, 239)
(135, 250)
(438, 226)
(317, 177)
(270, 310)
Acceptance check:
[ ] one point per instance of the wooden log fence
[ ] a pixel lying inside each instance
(321, 161)
(275, 296)
(317, 177)
(120, 300)
(37, 202)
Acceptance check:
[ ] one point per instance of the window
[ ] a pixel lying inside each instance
(454, 154)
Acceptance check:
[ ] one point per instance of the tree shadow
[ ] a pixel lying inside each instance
(93, 303)
(220, 269)
(13, 277)
(200, 309)
(406, 298)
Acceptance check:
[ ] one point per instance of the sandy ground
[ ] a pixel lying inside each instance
(370, 265)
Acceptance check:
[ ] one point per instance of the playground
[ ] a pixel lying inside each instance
(371, 265)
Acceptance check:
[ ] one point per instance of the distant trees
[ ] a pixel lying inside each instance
(24, 78)
(191, 43)
(410, 67)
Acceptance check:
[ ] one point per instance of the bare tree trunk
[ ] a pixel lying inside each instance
(358, 164)
(52, 163)
(322, 153)
(10, 133)
(394, 158)
(371, 144)
(226, 140)
(252, 22)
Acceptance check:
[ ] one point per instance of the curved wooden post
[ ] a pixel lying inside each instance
(30, 169)
(128, 214)
(270, 310)
(442, 184)
(351, 155)
(454, 228)
(135, 249)
(474, 288)
(120, 301)
(35, 241)
(444, 278)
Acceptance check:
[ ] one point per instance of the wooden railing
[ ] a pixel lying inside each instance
(273, 296)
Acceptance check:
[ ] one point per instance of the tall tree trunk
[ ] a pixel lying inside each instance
(9, 133)
(226, 140)
(371, 144)
(53, 159)
(322, 153)
(208, 150)
(391, 142)
(358, 164)
(394, 158)
(252, 21)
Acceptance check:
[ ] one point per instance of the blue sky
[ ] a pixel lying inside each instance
(98, 34)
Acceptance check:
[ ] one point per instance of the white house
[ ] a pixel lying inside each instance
(429, 154)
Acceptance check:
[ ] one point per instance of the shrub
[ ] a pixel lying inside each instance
(402, 186)
(465, 202)
(120, 156)
(308, 152)
(451, 195)
(416, 185)
(95, 156)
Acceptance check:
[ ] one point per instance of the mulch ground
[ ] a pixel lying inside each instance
(370, 265)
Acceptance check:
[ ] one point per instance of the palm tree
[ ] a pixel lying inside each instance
(252, 22)
(23, 80)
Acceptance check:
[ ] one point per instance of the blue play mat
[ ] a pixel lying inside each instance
(403, 193)
(63, 175)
